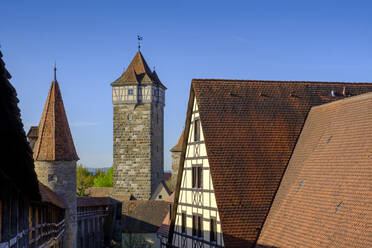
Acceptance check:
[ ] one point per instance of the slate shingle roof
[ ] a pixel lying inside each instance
(17, 164)
(138, 72)
(250, 130)
(54, 141)
(324, 199)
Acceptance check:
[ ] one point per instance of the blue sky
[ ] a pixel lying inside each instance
(92, 42)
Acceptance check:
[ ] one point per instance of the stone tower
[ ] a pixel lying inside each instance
(55, 158)
(176, 155)
(138, 97)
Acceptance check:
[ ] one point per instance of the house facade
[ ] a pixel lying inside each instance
(197, 220)
(240, 137)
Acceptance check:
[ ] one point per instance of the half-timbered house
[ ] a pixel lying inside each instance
(238, 139)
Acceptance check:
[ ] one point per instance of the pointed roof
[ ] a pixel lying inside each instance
(178, 146)
(138, 72)
(55, 141)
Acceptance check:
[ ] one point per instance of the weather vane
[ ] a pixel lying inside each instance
(139, 38)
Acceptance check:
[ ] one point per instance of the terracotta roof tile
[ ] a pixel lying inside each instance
(55, 141)
(99, 191)
(87, 201)
(138, 72)
(324, 199)
(47, 195)
(143, 216)
(17, 164)
(250, 130)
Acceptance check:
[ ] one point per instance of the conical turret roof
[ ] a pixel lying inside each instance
(54, 142)
(138, 72)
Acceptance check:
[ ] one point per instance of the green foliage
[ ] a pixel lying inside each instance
(104, 179)
(84, 179)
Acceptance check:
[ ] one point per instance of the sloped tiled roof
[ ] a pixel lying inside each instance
(17, 164)
(250, 130)
(178, 146)
(54, 142)
(99, 191)
(138, 72)
(143, 216)
(164, 228)
(324, 199)
(87, 201)
(47, 195)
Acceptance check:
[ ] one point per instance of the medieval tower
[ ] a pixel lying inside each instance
(138, 97)
(55, 158)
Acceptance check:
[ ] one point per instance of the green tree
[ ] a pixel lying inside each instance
(104, 179)
(84, 179)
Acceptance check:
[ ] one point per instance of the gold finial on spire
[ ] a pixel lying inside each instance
(139, 38)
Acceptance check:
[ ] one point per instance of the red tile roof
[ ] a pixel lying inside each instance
(143, 216)
(250, 130)
(17, 164)
(87, 201)
(47, 195)
(54, 142)
(324, 199)
(138, 72)
(178, 146)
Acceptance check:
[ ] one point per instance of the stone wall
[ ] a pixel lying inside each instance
(157, 145)
(138, 148)
(60, 176)
(175, 165)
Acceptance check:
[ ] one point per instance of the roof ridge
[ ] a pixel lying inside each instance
(357, 98)
(275, 81)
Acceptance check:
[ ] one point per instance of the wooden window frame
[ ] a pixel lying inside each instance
(183, 222)
(213, 230)
(196, 129)
(197, 176)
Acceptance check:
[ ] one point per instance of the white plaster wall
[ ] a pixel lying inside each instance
(200, 202)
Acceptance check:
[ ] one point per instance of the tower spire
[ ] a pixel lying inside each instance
(55, 71)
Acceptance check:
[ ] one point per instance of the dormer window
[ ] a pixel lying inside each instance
(130, 92)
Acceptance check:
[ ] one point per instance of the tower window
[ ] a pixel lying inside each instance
(130, 92)
(197, 177)
(213, 231)
(197, 130)
(130, 117)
